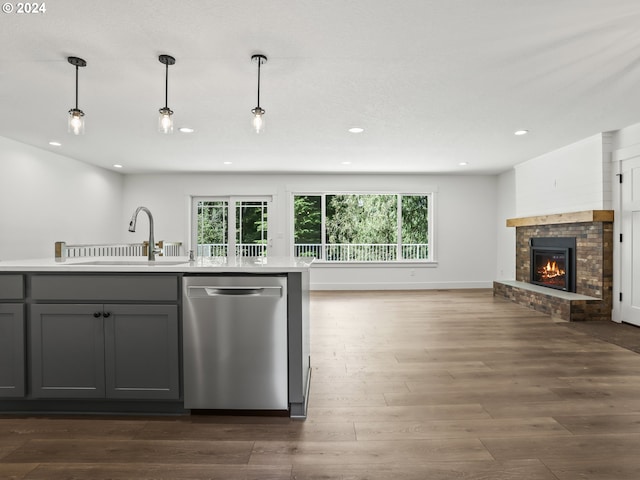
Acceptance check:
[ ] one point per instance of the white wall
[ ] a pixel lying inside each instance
(626, 137)
(506, 237)
(46, 198)
(569, 179)
(465, 235)
(573, 178)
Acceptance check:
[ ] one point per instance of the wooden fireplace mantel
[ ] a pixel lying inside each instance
(558, 218)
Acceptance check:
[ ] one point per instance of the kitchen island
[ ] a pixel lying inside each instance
(105, 334)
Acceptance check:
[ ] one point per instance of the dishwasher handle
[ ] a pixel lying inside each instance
(236, 291)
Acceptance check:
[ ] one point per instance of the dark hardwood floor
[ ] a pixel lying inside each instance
(406, 385)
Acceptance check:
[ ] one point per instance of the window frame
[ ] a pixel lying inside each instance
(431, 199)
(231, 201)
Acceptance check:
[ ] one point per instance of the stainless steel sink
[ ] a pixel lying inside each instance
(157, 263)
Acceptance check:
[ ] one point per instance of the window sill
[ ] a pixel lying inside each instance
(395, 264)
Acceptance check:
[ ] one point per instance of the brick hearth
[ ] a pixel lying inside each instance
(594, 265)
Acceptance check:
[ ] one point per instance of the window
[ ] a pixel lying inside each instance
(217, 232)
(211, 228)
(362, 227)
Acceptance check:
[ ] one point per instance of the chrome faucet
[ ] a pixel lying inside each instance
(152, 250)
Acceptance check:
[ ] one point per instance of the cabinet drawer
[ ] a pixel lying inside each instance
(102, 288)
(11, 287)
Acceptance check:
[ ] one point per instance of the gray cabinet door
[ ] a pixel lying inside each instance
(142, 356)
(67, 351)
(12, 361)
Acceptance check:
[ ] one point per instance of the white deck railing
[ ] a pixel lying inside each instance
(343, 252)
(63, 250)
(362, 252)
(242, 250)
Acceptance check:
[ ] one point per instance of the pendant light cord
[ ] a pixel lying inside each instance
(259, 63)
(166, 85)
(76, 87)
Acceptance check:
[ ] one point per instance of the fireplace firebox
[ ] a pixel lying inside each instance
(553, 262)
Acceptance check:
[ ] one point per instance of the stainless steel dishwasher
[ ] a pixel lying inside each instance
(235, 342)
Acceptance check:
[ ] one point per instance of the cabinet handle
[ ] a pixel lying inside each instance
(97, 314)
(107, 314)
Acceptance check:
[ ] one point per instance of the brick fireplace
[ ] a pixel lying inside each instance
(593, 234)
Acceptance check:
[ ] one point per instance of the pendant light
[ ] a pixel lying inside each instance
(258, 113)
(76, 116)
(165, 120)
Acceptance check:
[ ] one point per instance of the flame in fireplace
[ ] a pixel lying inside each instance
(551, 270)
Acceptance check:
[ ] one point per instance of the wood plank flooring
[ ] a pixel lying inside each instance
(406, 385)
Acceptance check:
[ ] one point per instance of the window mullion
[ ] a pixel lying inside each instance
(323, 226)
(400, 254)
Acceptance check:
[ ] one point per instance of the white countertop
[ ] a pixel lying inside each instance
(162, 264)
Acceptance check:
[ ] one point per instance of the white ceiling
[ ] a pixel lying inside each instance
(434, 83)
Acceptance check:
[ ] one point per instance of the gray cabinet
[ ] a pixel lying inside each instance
(12, 345)
(104, 350)
(142, 357)
(67, 351)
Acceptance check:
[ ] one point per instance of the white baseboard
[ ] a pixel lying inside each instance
(401, 286)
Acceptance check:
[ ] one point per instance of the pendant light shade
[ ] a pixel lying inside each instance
(165, 120)
(258, 120)
(76, 116)
(258, 112)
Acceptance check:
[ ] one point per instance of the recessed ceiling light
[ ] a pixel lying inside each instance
(463, 164)
(521, 132)
(227, 163)
(186, 129)
(346, 163)
(356, 130)
(117, 165)
(55, 144)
